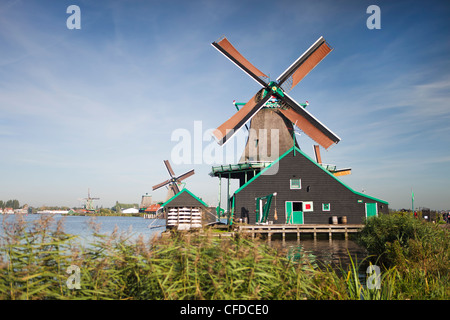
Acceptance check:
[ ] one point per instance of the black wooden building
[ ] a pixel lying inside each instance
(306, 193)
(185, 211)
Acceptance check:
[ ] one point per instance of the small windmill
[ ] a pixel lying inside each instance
(173, 184)
(330, 167)
(272, 108)
(89, 206)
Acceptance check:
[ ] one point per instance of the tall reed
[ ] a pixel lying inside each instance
(34, 259)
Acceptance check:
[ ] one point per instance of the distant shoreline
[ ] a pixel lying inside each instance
(66, 213)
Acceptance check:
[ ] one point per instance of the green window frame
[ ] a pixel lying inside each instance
(326, 207)
(296, 183)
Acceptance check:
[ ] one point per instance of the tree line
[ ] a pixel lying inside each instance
(10, 204)
(15, 204)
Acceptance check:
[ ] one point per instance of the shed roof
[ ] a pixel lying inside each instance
(153, 207)
(180, 193)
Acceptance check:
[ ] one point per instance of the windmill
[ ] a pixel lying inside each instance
(174, 181)
(330, 167)
(89, 206)
(271, 108)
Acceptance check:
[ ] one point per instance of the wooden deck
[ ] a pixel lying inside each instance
(298, 229)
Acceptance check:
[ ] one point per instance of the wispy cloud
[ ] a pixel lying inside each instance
(100, 104)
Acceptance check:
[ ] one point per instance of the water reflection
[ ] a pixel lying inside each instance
(335, 253)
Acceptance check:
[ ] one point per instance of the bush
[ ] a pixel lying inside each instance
(383, 236)
(417, 250)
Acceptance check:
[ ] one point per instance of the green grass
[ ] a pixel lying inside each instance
(34, 260)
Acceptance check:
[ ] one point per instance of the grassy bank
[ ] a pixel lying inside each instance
(414, 253)
(34, 261)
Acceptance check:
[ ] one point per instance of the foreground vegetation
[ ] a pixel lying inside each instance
(34, 260)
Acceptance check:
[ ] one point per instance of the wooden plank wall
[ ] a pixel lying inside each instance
(317, 186)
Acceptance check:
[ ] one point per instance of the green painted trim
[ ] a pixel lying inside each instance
(262, 171)
(318, 165)
(370, 197)
(179, 193)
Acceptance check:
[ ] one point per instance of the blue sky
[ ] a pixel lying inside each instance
(96, 107)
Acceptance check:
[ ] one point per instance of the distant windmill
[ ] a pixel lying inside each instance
(173, 184)
(89, 206)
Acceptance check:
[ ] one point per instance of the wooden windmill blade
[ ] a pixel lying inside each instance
(317, 154)
(169, 168)
(334, 171)
(304, 64)
(308, 123)
(229, 51)
(342, 172)
(235, 122)
(186, 175)
(172, 183)
(162, 184)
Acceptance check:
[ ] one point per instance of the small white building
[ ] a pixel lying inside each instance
(130, 210)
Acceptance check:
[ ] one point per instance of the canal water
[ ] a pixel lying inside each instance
(336, 252)
(83, 226)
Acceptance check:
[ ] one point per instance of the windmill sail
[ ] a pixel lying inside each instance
(304, 64)
(332, 168)
(162, 184)
(169, 168)
(317, 154)
(172, 183)
(288, 107)
(232, 125)
(226, 48)
(186, 175)
(309, 124)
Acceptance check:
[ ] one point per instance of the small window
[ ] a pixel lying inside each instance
(325, 207)
(296, 184)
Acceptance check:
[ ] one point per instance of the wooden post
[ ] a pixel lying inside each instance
(298, 235)
(220, 191)
(228, 194)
